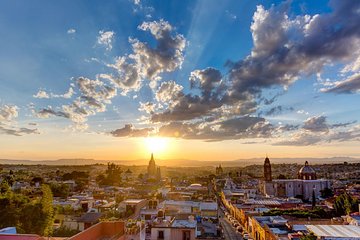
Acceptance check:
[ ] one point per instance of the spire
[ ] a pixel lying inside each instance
(152, 157)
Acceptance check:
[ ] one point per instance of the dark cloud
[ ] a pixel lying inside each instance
(129, 131)
(17, 131)
(347, 86)
(47, 112)
(181, 106)
(236, 128)
(276, 110)
(283, 52)
(285, 48)
(316, 124)
(317, 130)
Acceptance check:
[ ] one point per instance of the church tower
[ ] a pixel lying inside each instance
(267, 170)
(152, 167)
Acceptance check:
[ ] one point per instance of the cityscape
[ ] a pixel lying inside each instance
(180, 120)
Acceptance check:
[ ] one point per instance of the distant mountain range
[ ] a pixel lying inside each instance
(183, 162)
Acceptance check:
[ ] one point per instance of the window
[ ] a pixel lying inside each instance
(160, 234)
(186, 235)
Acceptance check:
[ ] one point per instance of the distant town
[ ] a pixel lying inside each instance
(111, 201)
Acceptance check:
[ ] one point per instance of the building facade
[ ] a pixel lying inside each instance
(303, 187)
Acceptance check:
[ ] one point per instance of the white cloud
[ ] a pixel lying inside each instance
(71, 31)
(106, 39)
(41, 94)
(8, 112)
(44, 94)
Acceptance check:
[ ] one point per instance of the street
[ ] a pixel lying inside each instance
(229, 231)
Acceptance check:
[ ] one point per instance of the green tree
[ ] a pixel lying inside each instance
(111, 177)
(311, 236)
(313, 202)
(47, 210)
(113, 173)
(64, 231)
(326, 192)
(4, 187)
(345, 204)
(60, 190)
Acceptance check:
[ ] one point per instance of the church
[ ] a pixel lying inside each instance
(153, 172)
(302, 187)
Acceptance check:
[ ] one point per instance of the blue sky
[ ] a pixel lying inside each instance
(204, 72)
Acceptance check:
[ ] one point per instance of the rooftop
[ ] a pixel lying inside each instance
(184, 224)
(133, 201)
(90, 217)
(339, 231)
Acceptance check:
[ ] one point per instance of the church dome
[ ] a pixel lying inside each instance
(306, 169)
(307, 172)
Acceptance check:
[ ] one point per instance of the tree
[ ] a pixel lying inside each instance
(345, 204)
(111, 177)
(313, 202)
(113, 173)
(4, 187)
(39, 180)
(47, 210)
(64, 231)
(27, 216)
(60, 190)
(281, 176)
(326, 192)
(311, 236)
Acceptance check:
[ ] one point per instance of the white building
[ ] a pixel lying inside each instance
(304, 186)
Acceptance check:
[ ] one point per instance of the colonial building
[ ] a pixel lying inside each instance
(219, 170)
(267, 170)
(153, 172)
(303, 187)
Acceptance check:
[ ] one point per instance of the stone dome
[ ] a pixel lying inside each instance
(307, 172)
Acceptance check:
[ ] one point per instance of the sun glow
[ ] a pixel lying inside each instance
(156, 144)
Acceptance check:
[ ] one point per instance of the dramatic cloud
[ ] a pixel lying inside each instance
(146, 62)
(317, 130)
(236, 128)
(181, 106)
(129, 131)
(8, 113)
(316, 124)
(106, 39)
(276, 110)
(220, 106)
(95, 95)
(286, 49)
(349, 85)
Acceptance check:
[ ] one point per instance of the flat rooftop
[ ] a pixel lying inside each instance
(339, 231)
(133, 201)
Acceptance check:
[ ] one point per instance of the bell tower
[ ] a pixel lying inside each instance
(267, 170)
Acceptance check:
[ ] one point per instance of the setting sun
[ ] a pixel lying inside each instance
(156, 144)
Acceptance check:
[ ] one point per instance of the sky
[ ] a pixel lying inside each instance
(119, 79)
